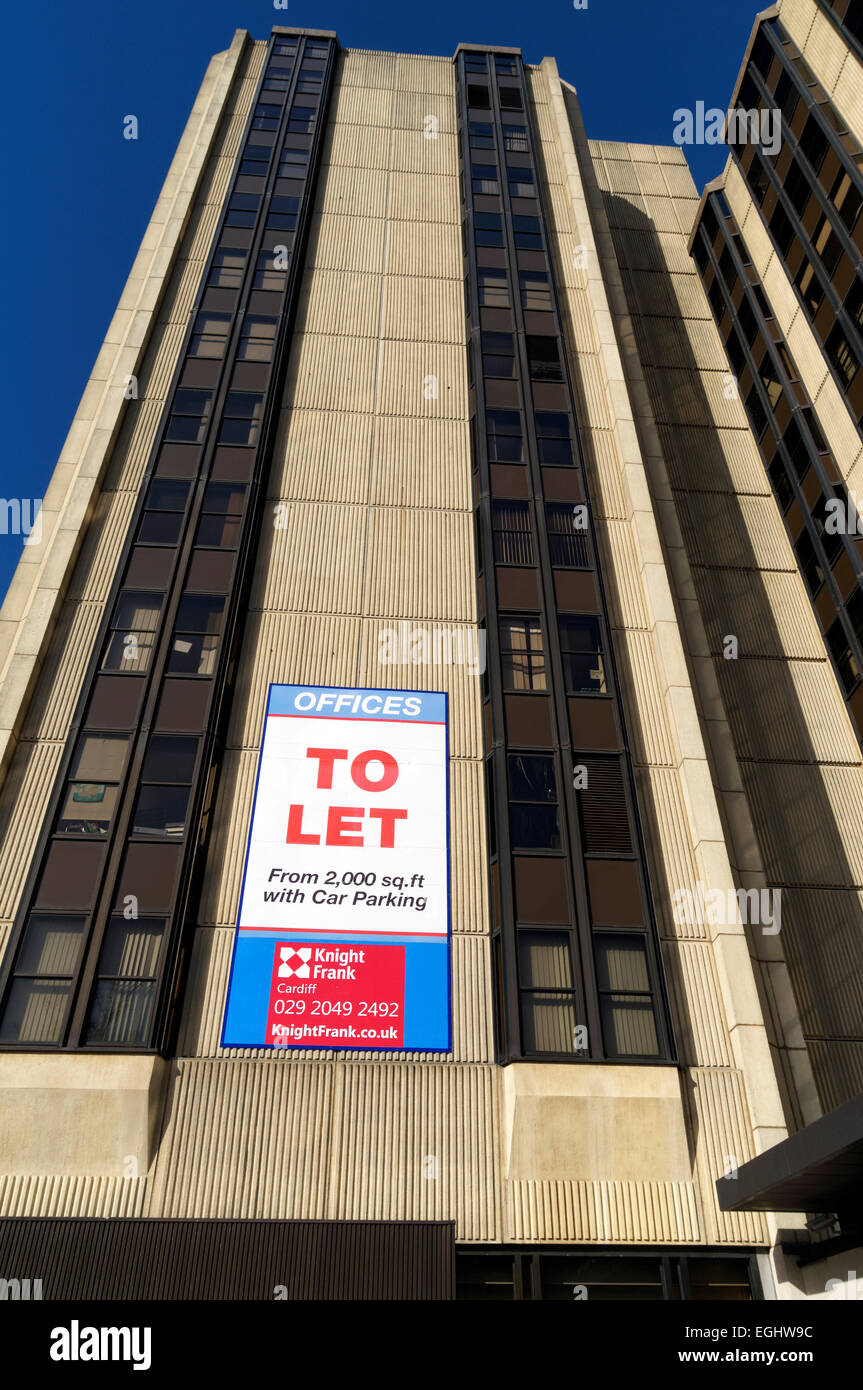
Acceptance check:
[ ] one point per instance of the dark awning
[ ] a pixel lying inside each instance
(78, 1257)
(818, 1169)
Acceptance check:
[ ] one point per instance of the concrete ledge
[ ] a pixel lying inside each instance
(106, 1108)
(613, 1123)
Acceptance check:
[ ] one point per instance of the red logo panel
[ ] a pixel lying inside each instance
(328, 994)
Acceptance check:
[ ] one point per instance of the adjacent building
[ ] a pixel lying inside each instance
(414, 388)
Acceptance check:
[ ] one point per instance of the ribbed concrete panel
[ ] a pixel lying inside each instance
(544, 123)
(413, 153)
(220, 899)
(415, 1143)
(94, 573)
(841, 430)
(623, 585)
(622, 177)
(353, 192)
(456, 678)
(644, 153)
(421, 463)
(308, 442)
(23, 803)
(606, 149)
(590, 385)
(666, 154)
(649, 290)
(310, 559)
(630, 212)
(551, 163)
(436, 253)
(243, 1139)
(240, 97)
(848, 96)
(559, 210)
(602, 179)
(749, 604)
(470, 912)
(340, 302)
(786, 711)
(797, 951)
(536, 83)
(833, 920)
(808, 357)
(435, 76)
(422, 198)
(427, 311)
(679, 180)
(204, 1002)
(339, 242)
(649, 731)
(292, 648)
(671, 863)
(722, 1141)
(217, 179)
(844, 791)
(358, 147)
(740, 533)
(637, 253)
(419, 565)
(130, 454)
(699, 1023)
(234, 124)
(363, 67)
(618, 1212)
(661, 212)
(365, 106)
(713, 460)
(807, 823)
(675, 256)
(777, 286)
(202, 229)
(182, 287)
(473, 1013)
(690, 397)
(680, 343)
(331, 373)
(5, 933)
(691, 304)
(603, 465)
(650, 178)
(826, 51)
(686, 211)
(35, 1195)
(570, 272)
(580, 321)
(412, 109)
(207, 990)
(838, 1068)
(156, 374)
(51, 709)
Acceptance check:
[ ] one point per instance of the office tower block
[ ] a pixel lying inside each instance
(413, 392)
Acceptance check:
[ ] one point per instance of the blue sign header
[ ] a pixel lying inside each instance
(335, 701)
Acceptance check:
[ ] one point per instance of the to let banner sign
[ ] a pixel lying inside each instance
(342, 939)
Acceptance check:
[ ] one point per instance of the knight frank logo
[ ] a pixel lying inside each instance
(303, 955)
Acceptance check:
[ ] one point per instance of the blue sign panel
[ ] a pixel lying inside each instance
(342, 938)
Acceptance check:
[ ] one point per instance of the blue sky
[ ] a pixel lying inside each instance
(79, 202)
